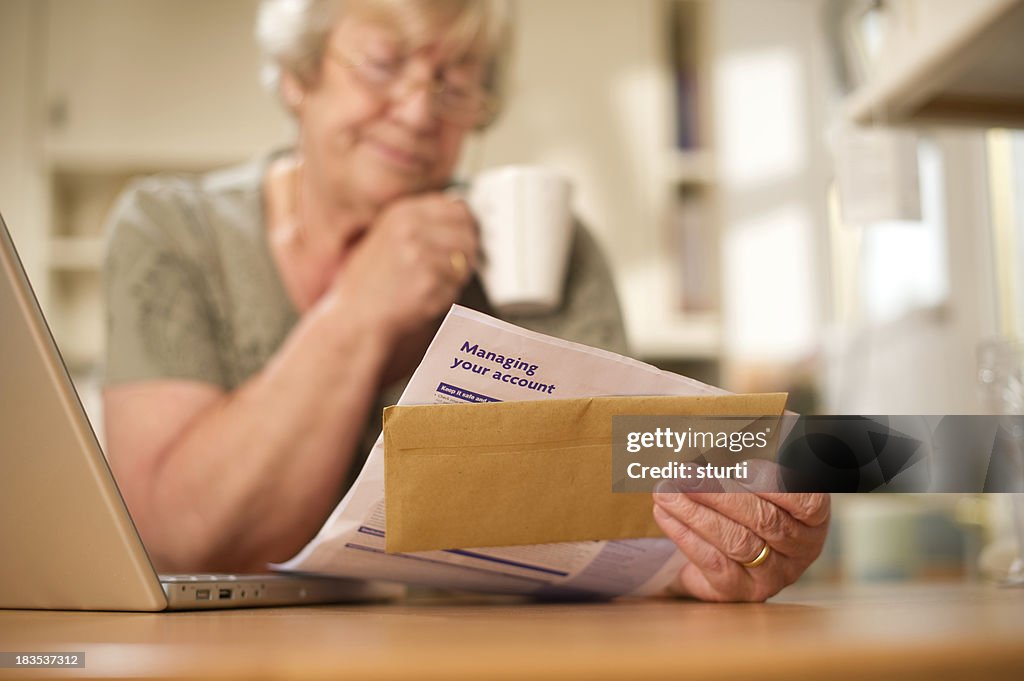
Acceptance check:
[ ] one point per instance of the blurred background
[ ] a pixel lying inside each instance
(819, 196)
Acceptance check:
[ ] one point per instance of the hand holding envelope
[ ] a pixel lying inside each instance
(503, 489)
(539, 472)
(742, 547)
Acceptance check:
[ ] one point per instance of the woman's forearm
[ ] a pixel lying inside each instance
(254, 475)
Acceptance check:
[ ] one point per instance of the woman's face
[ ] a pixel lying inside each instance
(371, 128)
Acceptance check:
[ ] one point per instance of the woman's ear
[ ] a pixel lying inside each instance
(293, 92)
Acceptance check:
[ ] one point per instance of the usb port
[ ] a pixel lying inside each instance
(224, 594)
(202, 594)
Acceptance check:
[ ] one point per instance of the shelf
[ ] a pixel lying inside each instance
(76, 253)
(82, 160)
(957, 69)
(690, 336)
(657, 328)
(690, 167)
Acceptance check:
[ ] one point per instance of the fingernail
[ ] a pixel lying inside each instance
(662, 514)
(666, 491)
(700, 485)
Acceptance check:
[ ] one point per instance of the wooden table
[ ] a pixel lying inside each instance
(951, 631)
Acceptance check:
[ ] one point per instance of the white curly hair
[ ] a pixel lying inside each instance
(293, 34)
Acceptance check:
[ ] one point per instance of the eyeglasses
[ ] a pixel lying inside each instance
(464, 104)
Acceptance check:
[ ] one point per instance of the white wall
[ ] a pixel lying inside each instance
(161, 81)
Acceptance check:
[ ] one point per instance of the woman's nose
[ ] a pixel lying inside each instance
(414, 100)
(416, 106)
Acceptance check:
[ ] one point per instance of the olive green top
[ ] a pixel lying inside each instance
(193, 292)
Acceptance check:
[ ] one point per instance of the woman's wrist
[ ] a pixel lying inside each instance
(352, 330)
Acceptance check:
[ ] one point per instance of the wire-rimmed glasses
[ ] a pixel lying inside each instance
(454, 97)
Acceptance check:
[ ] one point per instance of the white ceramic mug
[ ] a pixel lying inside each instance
(526, 228)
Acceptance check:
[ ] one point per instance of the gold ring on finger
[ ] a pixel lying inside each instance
(759, 559)
(459, 264)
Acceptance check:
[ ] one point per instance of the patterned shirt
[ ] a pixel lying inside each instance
(193, 292)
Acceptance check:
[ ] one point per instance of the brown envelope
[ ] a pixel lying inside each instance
(506, 473)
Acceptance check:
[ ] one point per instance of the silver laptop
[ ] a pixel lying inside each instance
(67, 540)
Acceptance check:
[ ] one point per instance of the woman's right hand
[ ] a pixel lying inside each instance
(406, 271)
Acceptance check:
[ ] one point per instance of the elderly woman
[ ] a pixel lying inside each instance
(261, 316)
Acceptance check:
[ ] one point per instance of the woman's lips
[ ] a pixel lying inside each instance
(407, 161)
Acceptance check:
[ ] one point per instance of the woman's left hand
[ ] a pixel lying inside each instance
(719, 532)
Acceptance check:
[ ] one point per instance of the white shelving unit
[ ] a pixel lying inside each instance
(946, 61)
(672, 296)
(126, 98)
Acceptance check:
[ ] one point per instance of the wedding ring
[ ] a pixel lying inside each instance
(761, 557)
(458, 260)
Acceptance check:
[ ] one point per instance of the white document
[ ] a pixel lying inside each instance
(476, 358)
(877, 175)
